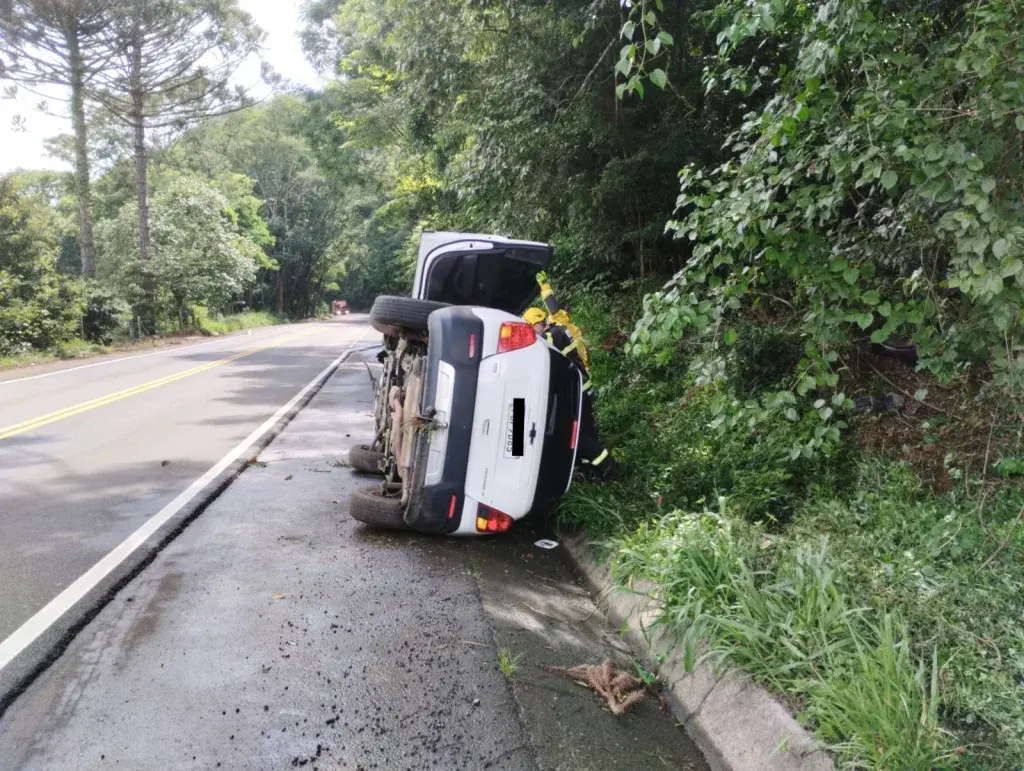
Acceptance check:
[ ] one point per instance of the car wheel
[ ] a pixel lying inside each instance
(391, 313)
(365, 460)
(371, 507)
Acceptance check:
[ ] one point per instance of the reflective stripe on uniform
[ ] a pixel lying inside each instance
(586, 386)
(550, 338)
(569, 348)
(599, 458)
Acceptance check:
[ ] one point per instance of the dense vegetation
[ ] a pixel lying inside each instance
(755, 205)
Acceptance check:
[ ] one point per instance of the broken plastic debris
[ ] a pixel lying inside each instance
(545, 543)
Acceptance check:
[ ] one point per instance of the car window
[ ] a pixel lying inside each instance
(503, 279)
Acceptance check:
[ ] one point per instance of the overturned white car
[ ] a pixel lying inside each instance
(477, 417)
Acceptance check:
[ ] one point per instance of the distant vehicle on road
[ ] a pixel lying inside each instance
(339, 308)
(476, 416)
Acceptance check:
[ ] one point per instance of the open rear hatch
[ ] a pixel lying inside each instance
(487, 271)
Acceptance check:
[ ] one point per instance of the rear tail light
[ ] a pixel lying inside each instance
(490, 520)
(574, 436)
(472, 345)
(515, 335)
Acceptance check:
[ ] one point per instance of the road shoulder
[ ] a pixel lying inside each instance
(737, 724)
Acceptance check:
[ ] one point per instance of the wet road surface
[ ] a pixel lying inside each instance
(275, 632)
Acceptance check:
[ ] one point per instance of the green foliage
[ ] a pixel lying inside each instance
(934, 686)
(508, 663)
(38, 306)
(222, 325)
(517, 129)
(104, 314)
(900, 634)
(938, 559)
(306, 205)
(878, 191)
(77, 349)
(677, 429)
(200, 251)
(646, 43)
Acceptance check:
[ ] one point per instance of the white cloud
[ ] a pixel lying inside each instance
(279, 18)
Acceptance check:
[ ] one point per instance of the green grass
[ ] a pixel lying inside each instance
(888, 617)
(79, 349)
(508, 663)
(222, 325)
(26, 359)
(72, 349)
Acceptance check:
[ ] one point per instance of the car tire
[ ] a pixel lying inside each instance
(366, 461)
(371, 507)
(391, 313)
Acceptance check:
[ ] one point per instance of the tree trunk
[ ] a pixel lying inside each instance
(141, 186)
(83, 190)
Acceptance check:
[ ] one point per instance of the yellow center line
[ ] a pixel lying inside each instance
(27, 425)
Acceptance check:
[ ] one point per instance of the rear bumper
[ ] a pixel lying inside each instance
(449, 388)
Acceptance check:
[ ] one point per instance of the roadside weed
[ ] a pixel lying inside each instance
(883, 612)
(508, 663)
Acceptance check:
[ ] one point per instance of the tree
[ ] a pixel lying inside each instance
(56, 190)
(304, 205)
(174, 66)
(60, 42)
(204, 250)
(38, 306)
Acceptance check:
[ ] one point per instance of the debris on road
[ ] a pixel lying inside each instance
(546, 543)
(620, 690)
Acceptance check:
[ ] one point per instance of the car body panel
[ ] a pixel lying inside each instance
(496, 477)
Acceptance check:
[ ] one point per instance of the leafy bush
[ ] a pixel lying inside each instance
(878, 193)
(38, 306)
(105, 313)
(885, 614)
(221, 324)
(77, 349)
(200, 252)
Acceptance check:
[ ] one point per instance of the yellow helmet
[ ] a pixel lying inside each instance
(534, 316)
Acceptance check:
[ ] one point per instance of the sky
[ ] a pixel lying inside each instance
(24, 149)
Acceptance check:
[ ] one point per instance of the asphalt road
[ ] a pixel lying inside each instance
(275, 632)
(89, 453)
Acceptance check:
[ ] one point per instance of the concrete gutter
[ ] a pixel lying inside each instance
(734, 722)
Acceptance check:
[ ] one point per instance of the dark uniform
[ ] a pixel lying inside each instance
(593, 455)
(564, 336)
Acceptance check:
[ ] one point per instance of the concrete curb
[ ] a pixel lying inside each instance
(735, 723)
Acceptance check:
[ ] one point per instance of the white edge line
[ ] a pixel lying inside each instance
(32, 629)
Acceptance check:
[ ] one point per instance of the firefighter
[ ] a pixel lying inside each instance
(555, 327)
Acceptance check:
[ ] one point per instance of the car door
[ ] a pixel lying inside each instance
(487, 270)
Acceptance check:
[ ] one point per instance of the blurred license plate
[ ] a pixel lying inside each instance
(515, 429)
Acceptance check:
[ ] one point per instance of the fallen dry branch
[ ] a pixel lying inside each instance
(620, 690)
